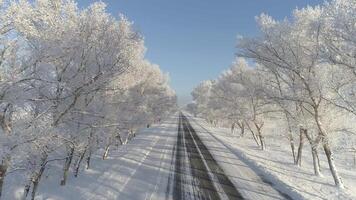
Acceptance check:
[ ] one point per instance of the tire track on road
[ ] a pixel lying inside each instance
(197, 174)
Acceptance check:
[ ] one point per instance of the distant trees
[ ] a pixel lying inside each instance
(201, 95)
(71, 81)
(303, 75)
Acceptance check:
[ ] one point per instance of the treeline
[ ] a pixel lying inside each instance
(298, 72)
(72, 81)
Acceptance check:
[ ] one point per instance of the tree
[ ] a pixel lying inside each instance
(62, 71)
(201, 95)
(292, 50)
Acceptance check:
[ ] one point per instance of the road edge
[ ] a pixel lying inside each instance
(262, 171)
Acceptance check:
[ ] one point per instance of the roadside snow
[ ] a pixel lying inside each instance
(275, 165)
(138, 170)
(142, 169)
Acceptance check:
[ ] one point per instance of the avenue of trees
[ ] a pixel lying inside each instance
(299, 73)
(72, 81)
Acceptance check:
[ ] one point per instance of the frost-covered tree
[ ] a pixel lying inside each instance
(238, 92)
(201, 96)
(63, 70)
(13, 89)
(303, 76)
(147, 101)
(292, 50)
(75, 55)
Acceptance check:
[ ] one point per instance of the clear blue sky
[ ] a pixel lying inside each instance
(194, 40)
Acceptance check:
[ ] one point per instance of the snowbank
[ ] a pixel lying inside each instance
(276, 166)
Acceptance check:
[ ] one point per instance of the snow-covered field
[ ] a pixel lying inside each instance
(276, 165)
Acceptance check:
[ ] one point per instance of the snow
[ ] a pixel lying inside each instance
(137, 170)
(276, 165)
(143, 169)
(249, 183)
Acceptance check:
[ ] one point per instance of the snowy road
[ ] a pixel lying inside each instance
(178, 159)
(190, 164)
(197, 175)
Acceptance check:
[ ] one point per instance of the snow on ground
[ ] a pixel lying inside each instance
(142, 169)
(276, 165)
(138, 170)
(247, 182)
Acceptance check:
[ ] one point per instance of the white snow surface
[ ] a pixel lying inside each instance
(138, 170)
(143, 169)
(275, 165)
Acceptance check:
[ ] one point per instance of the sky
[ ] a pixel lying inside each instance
(195, 40)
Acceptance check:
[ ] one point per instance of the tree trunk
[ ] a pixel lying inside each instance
(253, 134)
(260, 136)
(128, 137)
(300, 148)
(3, 169)
(317, 156)
(27, 189)
(291, 142)
(131, 135)
(242, 127)
(328, 152)
(262, 140)
(119, 139)
(34, 190)
(314, 151)
(255, 138)
(76, 171)
(6, 126)
(105, 155)
(67, 164)
(210, 121)
(290, 136)
(316, 162)
(330, 157)
(232, 128)
(35, 179)
(6, 119)
(88, 159)
(90, 143)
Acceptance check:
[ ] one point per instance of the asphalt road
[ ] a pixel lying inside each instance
(180, 159)
(197, 174)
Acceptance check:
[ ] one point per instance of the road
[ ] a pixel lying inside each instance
(197, 175)
(177, 159)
